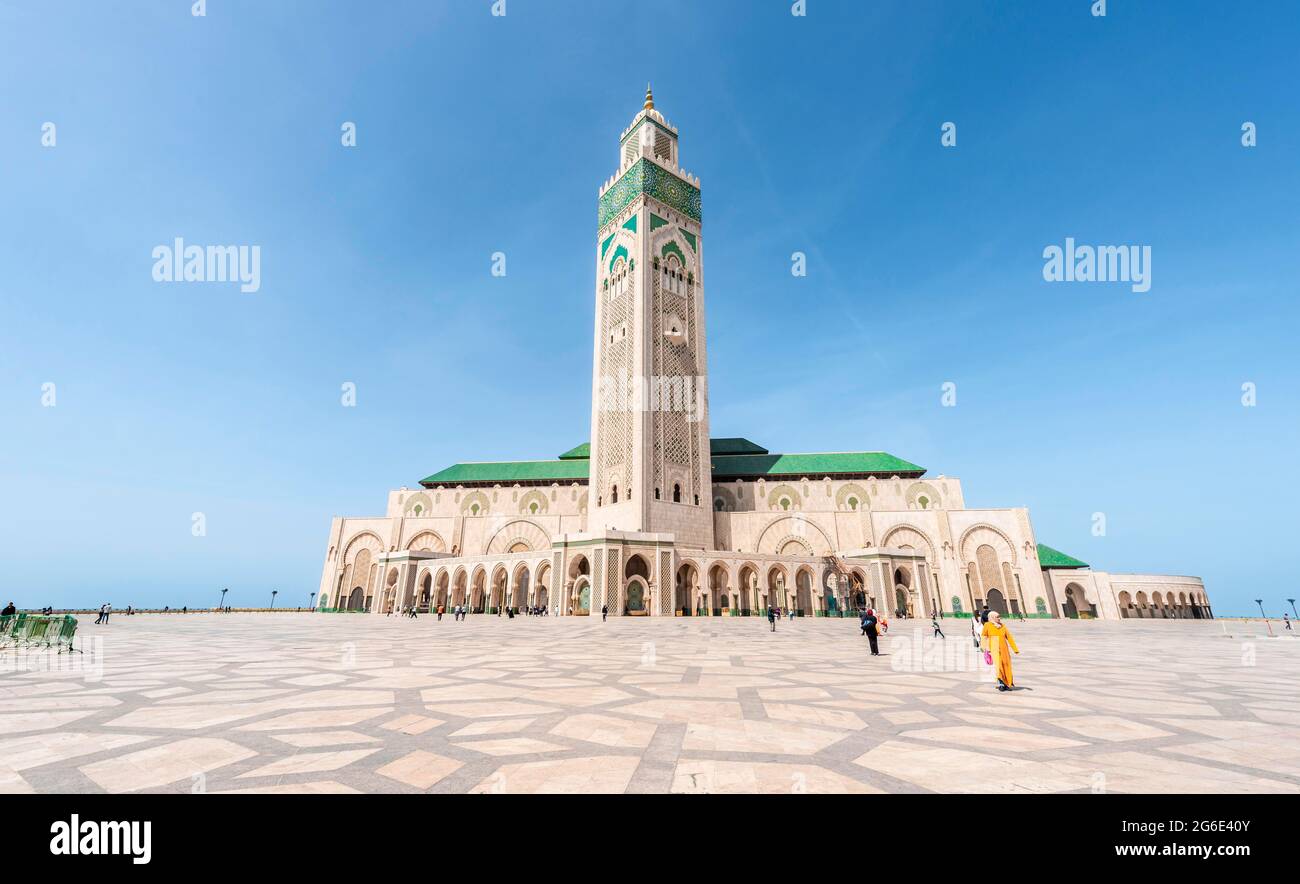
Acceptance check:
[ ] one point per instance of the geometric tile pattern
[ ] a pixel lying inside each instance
(353, 703)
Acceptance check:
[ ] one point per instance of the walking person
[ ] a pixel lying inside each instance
(604, 613)
(934, 622)
(771, 617)
(1286, 618)
(869, 629)
(984, 615)
(998, 645)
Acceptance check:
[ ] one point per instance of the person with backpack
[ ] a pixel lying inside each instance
(870, 626)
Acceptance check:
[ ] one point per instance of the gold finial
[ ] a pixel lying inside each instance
(649, 98)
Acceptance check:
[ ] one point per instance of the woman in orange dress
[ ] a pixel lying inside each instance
(997, 640)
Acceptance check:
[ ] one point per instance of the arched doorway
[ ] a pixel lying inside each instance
(1076, 602)
(578, 569)
(390, 591)
(803, 592)
(997, 601)
(903, 592)
(440, 597)
(542, 589)
(748, 590)
(497, 598)
(776, 588)
(685, 589)
(835, 592)
(859, 598)
(425, 591)
(582, 596)
(478, 592)
(519, 589)
(717, 590)
(637, 594)
(1125, 605)
(356, 599)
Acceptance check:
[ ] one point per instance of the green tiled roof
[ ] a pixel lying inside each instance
(733, 458)
(735, 446)
(832, 463)
(510, 472)
(1054, 558)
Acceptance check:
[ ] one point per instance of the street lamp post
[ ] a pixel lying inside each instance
(274, 592)
(311, 601)
(223, 598)
(1292, 601)
(1260, 602)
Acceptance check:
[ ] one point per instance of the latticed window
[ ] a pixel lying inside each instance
(617, 282)
(673, 276)
(663, 146)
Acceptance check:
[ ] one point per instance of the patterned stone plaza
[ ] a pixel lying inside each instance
(346, 703)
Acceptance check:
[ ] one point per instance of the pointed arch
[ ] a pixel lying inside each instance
(909, 535)
(511, 535)
(428, 541)
(789, 529)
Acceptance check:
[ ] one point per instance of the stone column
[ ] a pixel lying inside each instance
(928, 599)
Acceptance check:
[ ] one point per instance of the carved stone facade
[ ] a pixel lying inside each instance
(655, 518)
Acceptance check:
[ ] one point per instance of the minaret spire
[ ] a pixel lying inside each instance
(649, 98)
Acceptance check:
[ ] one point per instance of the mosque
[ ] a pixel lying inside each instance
(653, 517)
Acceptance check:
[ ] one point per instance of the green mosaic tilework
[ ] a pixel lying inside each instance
(621, 250)
(648, 178)
(671, 248)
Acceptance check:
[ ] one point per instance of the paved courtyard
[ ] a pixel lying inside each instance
(342, 703)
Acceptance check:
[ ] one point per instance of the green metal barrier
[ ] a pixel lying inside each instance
(67, 631)
(41, 631)
(37, 630)
(17, 629)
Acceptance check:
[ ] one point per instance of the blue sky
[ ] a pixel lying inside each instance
(479, 134)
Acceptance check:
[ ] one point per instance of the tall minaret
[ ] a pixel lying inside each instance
(650, 466)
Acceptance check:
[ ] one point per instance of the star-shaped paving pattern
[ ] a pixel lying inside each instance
(361, 703)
